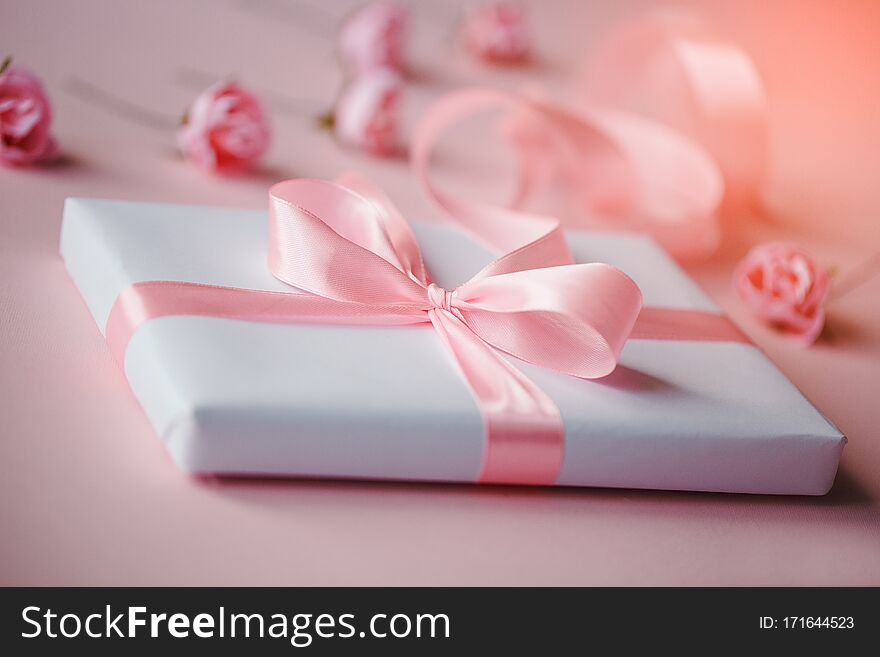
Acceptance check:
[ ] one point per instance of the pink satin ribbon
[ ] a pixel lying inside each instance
(665, 170)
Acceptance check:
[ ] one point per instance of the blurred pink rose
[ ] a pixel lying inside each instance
(225, 129)
(372, 38)
(25, 118)
(366, 115)
(784, 287)
(497, 32)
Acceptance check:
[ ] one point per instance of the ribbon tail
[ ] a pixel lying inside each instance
(523, 427)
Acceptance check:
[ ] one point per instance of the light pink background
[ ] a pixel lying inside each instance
(87, 495)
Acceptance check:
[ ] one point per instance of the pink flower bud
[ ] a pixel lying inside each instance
(225, 130)
(25, 118)
(366, 115)
(784, 287)
(498, 33)
(372, 37)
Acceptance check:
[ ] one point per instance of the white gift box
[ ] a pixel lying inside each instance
(240, 397)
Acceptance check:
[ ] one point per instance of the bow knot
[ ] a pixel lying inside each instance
(440, 298)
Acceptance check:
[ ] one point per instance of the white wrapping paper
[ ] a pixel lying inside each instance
(237, 397)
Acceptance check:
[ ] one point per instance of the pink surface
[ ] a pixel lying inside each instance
(87, 495)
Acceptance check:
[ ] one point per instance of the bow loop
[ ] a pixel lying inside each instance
(573, 319)
(329, 240)
(407, 254)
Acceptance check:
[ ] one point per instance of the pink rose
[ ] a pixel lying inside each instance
(784, 287)
(498, 33)
(366, 115)
(372, 37)
(225, 129)
(25, 117)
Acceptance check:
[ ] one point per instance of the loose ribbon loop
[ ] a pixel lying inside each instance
(698, 140)
(671, 66)
(636, 172)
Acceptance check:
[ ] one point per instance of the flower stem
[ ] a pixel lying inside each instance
(198, 80)
(88, 92)
(855, 277)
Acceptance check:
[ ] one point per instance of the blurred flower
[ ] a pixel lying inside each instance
(366, 115)
(25, 117)
(784, 287)
(497, 32)
(225, 130)
(372, 38)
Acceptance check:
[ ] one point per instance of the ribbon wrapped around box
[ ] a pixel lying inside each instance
(325, 364)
